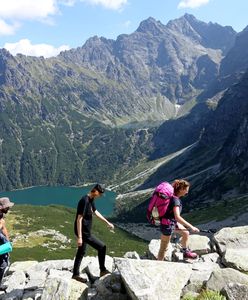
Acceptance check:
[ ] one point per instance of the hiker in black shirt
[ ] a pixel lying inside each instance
(82, 228)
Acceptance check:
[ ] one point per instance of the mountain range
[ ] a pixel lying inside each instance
(111, 107)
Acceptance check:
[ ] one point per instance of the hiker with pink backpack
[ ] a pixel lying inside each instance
(165, 210)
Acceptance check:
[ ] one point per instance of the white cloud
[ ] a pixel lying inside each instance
(109, 4)
(27, 9)
(192, 3)
(8, 29)
(25, 47)
(18, 11)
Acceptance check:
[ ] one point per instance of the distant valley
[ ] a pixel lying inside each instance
(122, 111)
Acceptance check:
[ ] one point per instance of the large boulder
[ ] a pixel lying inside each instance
(236, 258)
(234, 291)
(231, 237)
(110, 287)
(199, 244)
(16, 284)
(59, 287)
(63, 264)
(21, 266)
(153, 280)
(221, 278)
(201, 272)
(93, 270)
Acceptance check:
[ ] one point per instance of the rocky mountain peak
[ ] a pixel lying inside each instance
(5, 55)
(152, 26)
(210, 35)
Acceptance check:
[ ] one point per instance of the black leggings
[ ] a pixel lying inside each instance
(4, 263)
(96, 244)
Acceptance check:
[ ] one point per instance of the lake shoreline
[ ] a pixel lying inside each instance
(60, 195)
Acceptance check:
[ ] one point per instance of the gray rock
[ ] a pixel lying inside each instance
(112, 282)
(153, 249)
(221, 278)
(199, 244)
(15, 283)
(78, 290)
(21, 266)
(102, 290)
(60, 274)
(64, 264)
(234, 291)
(133, 255)
(36, 280)
(93, 270)
(33, 295)
(142, 281)
(210, 257)
(200, 275)
(66, 289)
(236, 258)
(234, 238)
(56, 288)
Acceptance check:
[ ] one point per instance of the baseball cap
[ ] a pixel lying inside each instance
(5, 203)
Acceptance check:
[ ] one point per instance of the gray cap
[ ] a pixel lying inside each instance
(5, 203)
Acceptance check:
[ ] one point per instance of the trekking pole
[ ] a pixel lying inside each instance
(208, 230)
(212, 230)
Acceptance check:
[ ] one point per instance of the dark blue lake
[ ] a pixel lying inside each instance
(67, 196)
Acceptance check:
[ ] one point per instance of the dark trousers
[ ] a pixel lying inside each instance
(96, 244)
(4, 262)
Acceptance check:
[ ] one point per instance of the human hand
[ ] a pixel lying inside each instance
(111, 227)
(79, 241)
(195, 229)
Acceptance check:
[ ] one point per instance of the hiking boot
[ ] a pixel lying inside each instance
(103, 273)
(79, 278)
(189, 254)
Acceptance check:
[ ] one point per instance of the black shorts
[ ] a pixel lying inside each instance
(168, 229)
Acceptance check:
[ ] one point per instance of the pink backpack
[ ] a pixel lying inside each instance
(159, 203)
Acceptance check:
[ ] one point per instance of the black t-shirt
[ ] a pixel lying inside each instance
(86, 207)
(175, 201)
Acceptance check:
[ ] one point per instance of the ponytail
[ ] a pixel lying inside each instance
(180, 184)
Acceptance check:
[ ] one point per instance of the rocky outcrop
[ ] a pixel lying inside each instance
(139, 278)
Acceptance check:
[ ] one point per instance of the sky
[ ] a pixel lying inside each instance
(46, 27)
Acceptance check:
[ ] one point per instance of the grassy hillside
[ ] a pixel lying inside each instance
(57, 240)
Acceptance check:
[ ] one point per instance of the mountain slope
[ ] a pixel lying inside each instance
(60, 117)
(161, 64)
(217, 166)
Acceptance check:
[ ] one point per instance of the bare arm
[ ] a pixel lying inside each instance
(4, 229)
(79, 230)
(182, 221)
(101, 217)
